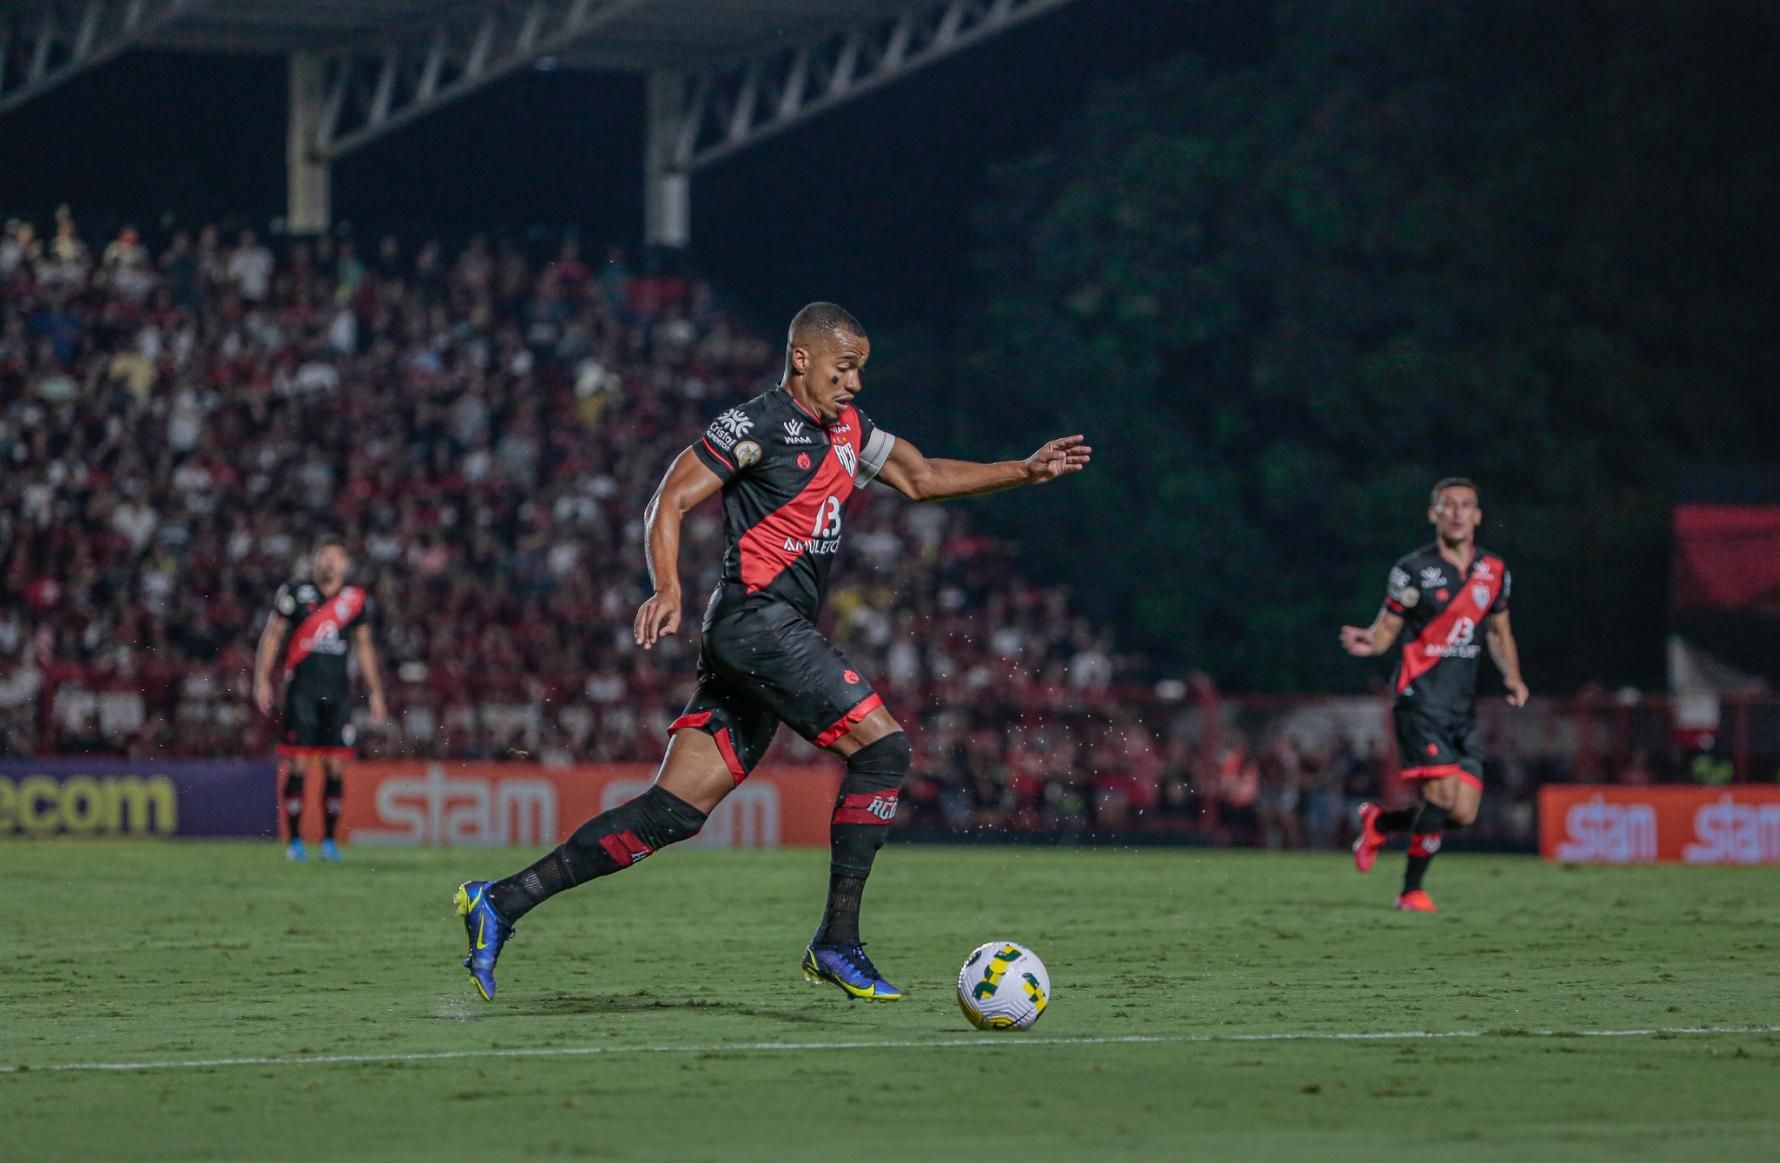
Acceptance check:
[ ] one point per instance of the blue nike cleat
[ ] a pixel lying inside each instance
(487, 933)
(330, 851)
(848, 967)
(295, 852)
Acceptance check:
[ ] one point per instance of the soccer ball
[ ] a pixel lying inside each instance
(1003, 986)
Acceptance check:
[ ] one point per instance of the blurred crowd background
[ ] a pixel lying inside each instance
(482, 420)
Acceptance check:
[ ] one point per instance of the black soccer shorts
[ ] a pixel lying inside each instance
(762, 663)
(314, 723)
(1432, 747)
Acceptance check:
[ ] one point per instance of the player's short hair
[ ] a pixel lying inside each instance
(326, 540)
(1444, 483)
(823, 319)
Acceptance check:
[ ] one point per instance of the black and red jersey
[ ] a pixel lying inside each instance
(1443, 609)
(787, 481)
(320, 634)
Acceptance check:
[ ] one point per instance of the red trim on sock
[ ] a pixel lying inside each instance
(625, 848)
(871, 807)
(849, 720)
(1424, 843)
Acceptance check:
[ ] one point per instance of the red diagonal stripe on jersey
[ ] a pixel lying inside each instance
(1416, 659)
(302, 643)
(763, 552)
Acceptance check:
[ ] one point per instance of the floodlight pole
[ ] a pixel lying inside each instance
(308, 172)
(667, 186)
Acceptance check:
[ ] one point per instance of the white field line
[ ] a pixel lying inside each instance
(995, 1041)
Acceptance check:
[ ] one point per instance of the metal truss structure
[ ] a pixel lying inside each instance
(43, 46)
(721, 74)
(730, 109)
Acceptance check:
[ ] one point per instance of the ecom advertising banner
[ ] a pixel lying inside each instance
(121, 797)
(1736, 824)
(454, 803)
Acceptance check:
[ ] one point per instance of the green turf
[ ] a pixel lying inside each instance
(140, 952)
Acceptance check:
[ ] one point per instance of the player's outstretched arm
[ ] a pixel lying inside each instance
(1373, 640)
(271, 638)
(923, 478)
(687, 484)
(1499, 634)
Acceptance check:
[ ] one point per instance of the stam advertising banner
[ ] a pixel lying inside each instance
(455, 803)
(122, 797)
(1735, 824)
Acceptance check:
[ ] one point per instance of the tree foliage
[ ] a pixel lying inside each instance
(1530, 243)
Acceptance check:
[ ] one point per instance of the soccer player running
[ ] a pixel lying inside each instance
(311, 623)
(1443, 593)
(786, 463)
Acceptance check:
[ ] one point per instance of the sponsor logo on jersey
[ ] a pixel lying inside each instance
(1484, 570)
(728, 428)
(822, 547)
(1432, 577)
(747, 452)
(1458, 643)
(794, 433)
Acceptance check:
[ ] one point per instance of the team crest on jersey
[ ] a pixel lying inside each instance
(794, 433)
(849, 458)
(803, 460)
(747, 452)
(1481, 595)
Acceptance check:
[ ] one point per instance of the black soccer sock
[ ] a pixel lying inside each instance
(333, 799)
(861, 823)
(293, 800)
(1424, 843)
(1395, 821)
(608, 843)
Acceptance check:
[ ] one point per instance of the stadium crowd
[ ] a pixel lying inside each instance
(482, 425)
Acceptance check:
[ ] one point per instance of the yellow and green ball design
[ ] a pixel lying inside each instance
(1003, 986)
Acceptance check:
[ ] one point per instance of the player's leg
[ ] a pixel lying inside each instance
(292, 796)
(1377, 824)
(332, 722)
(298, 735)
(713, 747)
(1452, 790)
(810, 685)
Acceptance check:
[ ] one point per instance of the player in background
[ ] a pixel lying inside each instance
(311, 624)
(786, 464)
(1443, 593)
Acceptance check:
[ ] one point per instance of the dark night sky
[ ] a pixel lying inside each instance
(834, 209)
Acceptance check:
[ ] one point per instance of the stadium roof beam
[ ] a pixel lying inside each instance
(730, 109)
(374, 90)
(43, 45)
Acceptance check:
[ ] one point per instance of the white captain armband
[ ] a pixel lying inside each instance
(873, 457)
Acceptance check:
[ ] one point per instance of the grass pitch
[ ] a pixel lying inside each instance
(660, 1013)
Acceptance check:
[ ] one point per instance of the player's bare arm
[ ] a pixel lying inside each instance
(923, 478)
(687, 485)
(1499, 635)
(1371, 641)
(366, 652)
(271, 638)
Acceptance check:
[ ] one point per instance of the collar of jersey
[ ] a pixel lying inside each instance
(802, 411)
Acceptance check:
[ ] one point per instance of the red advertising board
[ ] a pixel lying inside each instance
(1737, 824)
(447, 802)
